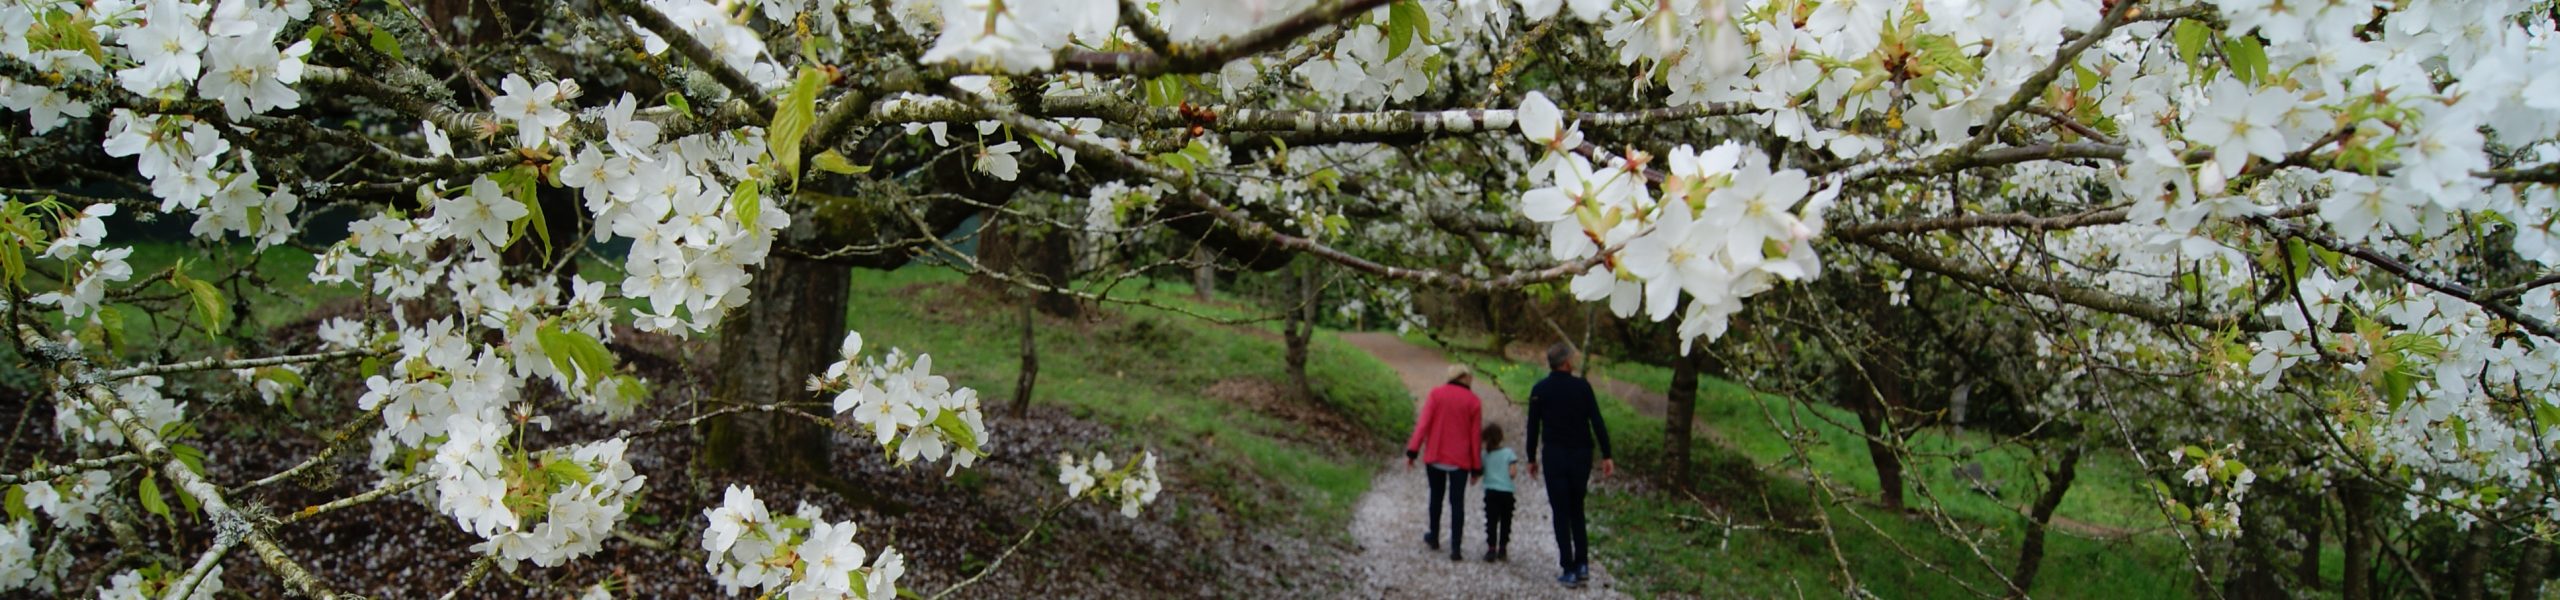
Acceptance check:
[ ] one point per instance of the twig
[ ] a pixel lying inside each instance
(213, 364)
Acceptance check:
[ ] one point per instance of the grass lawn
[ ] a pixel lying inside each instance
(1144, 371)
(1661, 543)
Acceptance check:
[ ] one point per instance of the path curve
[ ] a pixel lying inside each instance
(1389, 520)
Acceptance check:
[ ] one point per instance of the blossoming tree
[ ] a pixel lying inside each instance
(2344, 202)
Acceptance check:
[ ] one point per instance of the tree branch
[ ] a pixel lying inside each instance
(77, 383)
(684, 42)
(1202, 58)
(214, 364)
(1187, 191)
(2091, 298)
(2410, 274)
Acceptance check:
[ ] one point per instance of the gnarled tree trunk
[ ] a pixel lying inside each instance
(768, 350)
(2039, 518)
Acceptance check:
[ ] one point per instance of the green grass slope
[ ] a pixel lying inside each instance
(1146, 373)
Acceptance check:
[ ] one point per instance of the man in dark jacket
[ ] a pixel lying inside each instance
(1566, 417)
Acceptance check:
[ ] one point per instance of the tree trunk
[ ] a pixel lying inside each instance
(2526, 583)
(1030, 358)
(2306, 569)
(2471, 564)
(1299, 329)
(1874, 395)
(1679, 417)
(2355, 506)
(768, 349)
(1204, 274)
(1035, 257)
(2040, 518)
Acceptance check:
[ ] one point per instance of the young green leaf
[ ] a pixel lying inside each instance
(749, 206)
(1405, 22)
(574, 352)
(834, 162)
(210, 309)
(792, 119)
(153, 502)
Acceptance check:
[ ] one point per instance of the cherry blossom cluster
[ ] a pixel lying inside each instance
(1724, 226)
(1133, 486)
(800, 555)
(59, 505)
(90, 269)
(911, 412)
(2221, 480)
(546, 507)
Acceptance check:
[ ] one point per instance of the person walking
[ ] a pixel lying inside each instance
(1566, 417)
(1500, 467)
(1445, 438)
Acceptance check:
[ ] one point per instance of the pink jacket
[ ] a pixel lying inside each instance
(1450, 429)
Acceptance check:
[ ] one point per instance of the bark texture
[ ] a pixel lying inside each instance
(768, 349)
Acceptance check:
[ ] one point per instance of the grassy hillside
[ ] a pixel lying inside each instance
(1148, 373)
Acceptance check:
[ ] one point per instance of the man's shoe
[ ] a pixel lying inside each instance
(1456, 557)
(1578, 580)
(1431, 540)
(1489, 554)
(1566, 580)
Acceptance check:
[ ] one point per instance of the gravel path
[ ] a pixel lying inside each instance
(1389, 520)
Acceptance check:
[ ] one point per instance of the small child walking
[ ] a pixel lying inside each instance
(1500, 466)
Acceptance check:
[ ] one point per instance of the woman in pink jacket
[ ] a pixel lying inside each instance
(1446, 438)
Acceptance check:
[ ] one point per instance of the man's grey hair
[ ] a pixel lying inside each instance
(1558, 355)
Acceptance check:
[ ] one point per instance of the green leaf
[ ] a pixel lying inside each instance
(382, 41)
(1164, 90)
(749, 206)
(2190, 35)
(1405, 22)
(518, 182)
(2248, 58)
(190, 456)
(956, 430)
(17, 503)
(210, 309)
(834, 162)
(316, 32)
(12, 264)
(2422, 345)
(566, 471)
(573, 352)
(791, 121)
(2396, 384)
(111, 322)
(153, 502)
(682, 106)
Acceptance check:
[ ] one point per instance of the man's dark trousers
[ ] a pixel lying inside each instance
(1568, 477)
(1452, 483)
